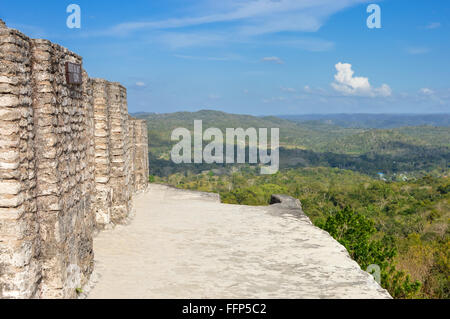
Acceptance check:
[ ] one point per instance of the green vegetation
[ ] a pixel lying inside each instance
(398, 220)
(407, 151)
(355, 231)
(376, 121)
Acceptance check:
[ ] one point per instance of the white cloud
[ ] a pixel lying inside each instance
(274, 59)
(426, 91)
(433, 25)
(140, 84)
(346, 83)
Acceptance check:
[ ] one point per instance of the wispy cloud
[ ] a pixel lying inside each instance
(417, 50)
(288, 90)
(426, 91)
(306, 43)
(441, 97)
(274, 99)
(273, 59)
(177, 40)
(237, 21)
(207, 58)
(30, 30)
(257, 16)
(433, 25)
(241, 19)
(213, 96)
(138, 85)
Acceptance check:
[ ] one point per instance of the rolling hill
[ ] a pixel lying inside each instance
(380, 121)
(410, 149)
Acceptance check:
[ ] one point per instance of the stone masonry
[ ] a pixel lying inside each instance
(70, 160)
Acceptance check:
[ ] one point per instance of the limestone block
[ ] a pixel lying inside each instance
(7, 200)
(8, 100)
(10, 187)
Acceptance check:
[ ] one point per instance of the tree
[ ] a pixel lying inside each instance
(355, 232)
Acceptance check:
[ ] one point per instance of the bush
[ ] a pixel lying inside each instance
(355, 232)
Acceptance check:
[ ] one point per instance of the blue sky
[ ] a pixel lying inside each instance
(257, 57)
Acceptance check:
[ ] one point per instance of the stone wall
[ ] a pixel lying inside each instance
(20, 270)
(102, 201)
(68, 165)
(141, 168)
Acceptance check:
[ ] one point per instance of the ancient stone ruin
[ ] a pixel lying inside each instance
(71, 159)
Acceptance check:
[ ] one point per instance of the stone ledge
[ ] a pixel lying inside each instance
(285, 201)
(282, 204)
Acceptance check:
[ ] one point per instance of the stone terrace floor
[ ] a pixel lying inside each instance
(184, 244)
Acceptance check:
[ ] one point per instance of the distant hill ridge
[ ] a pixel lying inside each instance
(374, 120)
(316, 143)
(355, 120)
(312, 131)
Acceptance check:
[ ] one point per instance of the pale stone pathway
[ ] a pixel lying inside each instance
(184, 244)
